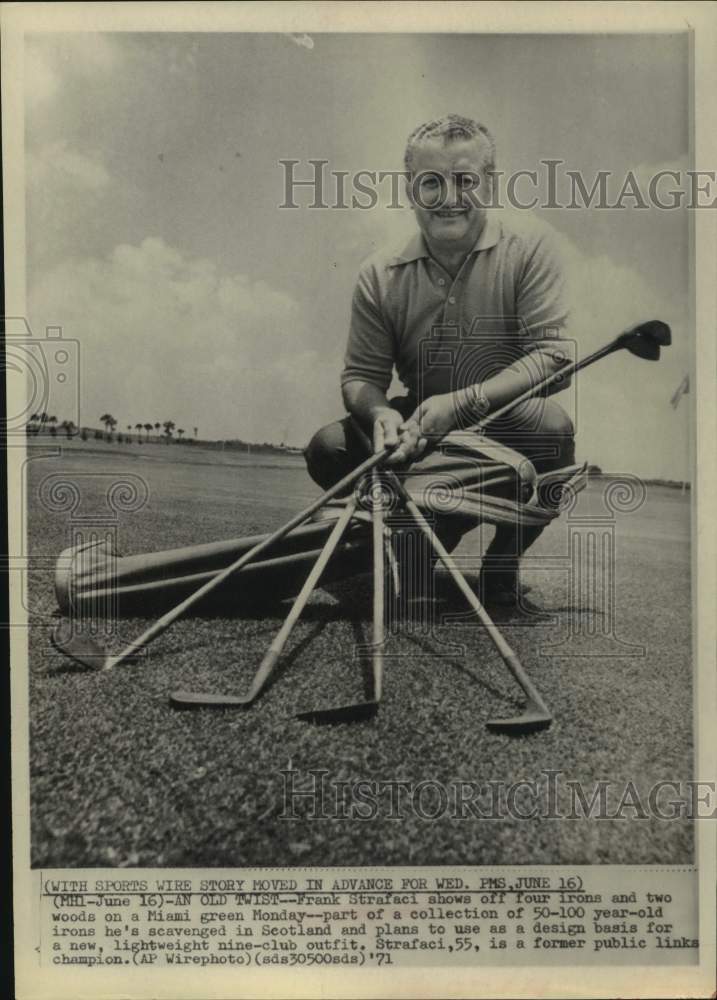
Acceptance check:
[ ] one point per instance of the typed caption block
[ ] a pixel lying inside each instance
(332, 918)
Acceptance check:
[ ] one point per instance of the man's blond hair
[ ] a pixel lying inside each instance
(450, 128)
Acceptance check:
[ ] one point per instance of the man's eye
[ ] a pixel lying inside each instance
(430, 182)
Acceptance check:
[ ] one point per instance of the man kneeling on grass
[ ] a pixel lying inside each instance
(482, 292)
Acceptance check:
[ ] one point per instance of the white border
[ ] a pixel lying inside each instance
(381, 17)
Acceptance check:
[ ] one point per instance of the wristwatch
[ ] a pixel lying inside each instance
(477, 400)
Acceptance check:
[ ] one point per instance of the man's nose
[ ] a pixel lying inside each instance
(456, 196)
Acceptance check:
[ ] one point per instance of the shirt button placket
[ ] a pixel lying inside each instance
(450, 312)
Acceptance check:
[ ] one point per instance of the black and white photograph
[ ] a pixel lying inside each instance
(357, 478)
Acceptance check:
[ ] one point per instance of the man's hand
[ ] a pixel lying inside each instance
(438, 415)
(390, 429)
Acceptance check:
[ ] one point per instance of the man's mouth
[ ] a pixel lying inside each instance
(451, 213)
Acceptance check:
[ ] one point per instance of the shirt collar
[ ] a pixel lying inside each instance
(416, 247)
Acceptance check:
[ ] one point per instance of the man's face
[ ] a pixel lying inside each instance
(446, 190)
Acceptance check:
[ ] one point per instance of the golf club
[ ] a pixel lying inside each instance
(365, 710)
(536, 715)
(643, 340)
(88, 653)
(183, 699)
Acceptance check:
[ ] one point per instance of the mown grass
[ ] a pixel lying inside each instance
(119, 778)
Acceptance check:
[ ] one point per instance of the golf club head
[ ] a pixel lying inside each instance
(341, 713)
(646, 339)
(197, 699)
(518, 725)
(82, 649)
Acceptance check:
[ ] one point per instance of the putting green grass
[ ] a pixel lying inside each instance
(118, 778)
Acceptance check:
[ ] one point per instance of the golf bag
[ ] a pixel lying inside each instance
(468, 477)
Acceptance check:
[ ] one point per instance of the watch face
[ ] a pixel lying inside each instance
(481, 403)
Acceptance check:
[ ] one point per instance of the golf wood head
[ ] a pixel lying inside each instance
(81, 649)
(518, 725)
(341, 713)
(646, 339)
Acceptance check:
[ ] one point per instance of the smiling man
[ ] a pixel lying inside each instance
(470, 313)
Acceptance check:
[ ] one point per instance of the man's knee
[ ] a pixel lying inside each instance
(555, 422)
(543, 431)
(558, 432)
(325, 455)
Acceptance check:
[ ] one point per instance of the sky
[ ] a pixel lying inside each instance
(156, 241)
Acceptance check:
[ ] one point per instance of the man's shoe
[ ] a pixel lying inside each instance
(504, 591)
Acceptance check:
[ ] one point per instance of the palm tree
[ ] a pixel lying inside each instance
(180, 431)
(169, 426)
(52, 421)
(148, 427)
(138, 428)
(110, 423)
(156, 427)
(196, 431)
(68, 427)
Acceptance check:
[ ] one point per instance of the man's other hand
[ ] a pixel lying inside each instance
(437, 415)
(390, 430)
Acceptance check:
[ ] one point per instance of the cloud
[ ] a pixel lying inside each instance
(57, 164)
(647, 174)
(50, 59)
(621, 407)
(304, 41)
(68, 191)
(166, 336)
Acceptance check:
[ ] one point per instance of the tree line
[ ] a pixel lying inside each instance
(45, 423)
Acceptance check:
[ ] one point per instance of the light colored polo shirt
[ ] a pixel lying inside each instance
(506, 303)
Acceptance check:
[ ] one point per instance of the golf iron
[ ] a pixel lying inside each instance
(88, 653)
(358, 711)
(184, 699)
(644, 341)
(535, 715)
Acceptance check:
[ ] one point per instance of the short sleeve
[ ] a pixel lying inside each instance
(370, 351)
(542, 302)
(542, 292)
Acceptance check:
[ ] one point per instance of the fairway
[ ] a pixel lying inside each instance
(119, 778)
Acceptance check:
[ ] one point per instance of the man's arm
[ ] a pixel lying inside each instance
(368, 368)
(365, 401)
(369, 405)
(542, 305)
